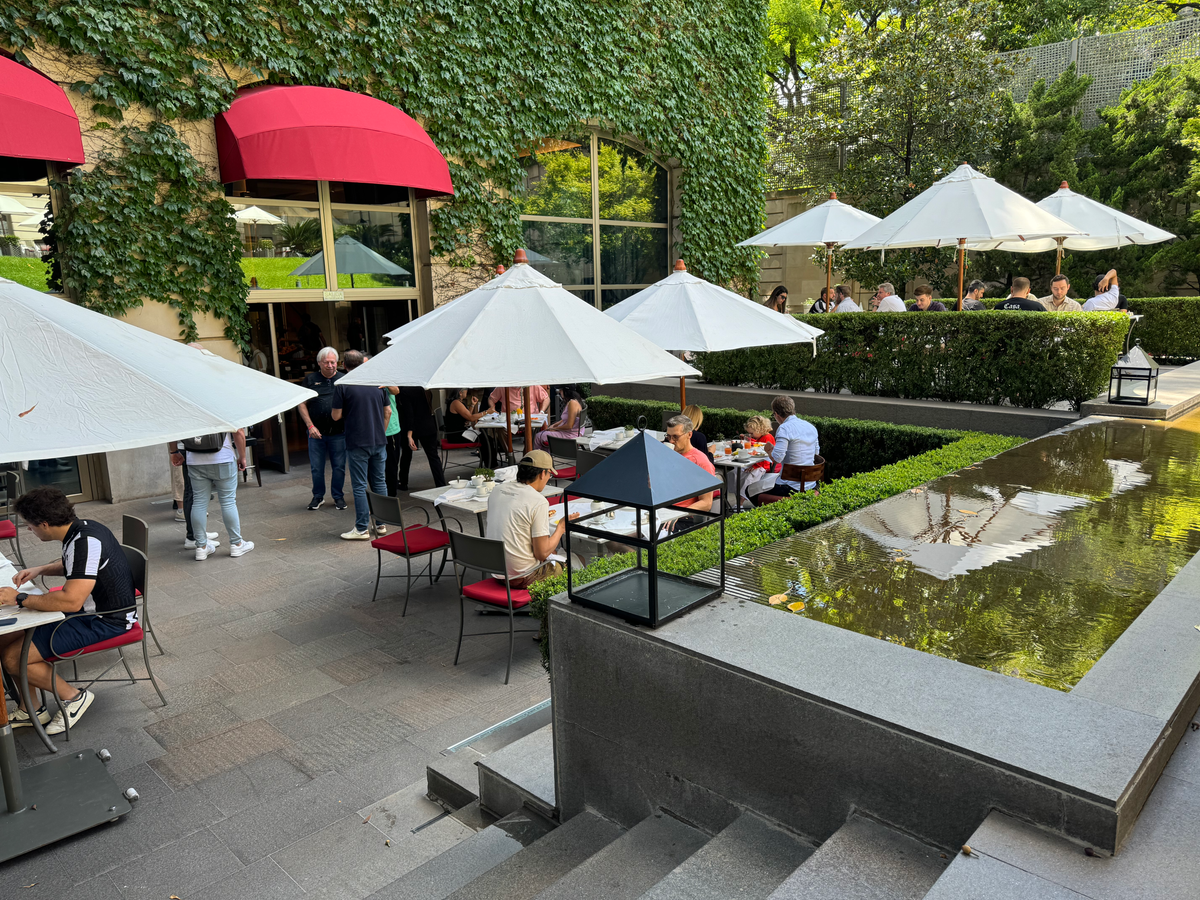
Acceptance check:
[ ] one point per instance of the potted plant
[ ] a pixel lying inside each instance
(488, 474)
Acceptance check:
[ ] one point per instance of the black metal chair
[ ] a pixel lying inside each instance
(252, 447)
(135, 533)
(446, 446)
(410, 543)
(486, 557)
(586, 460)
(10, 527)
(134, 635)
(563, 448)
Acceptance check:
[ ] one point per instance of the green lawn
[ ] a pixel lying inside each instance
(273, 274)
(24, 270)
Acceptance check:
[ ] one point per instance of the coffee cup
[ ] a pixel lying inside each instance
(743, 454)
(476, 480)
(597, 506)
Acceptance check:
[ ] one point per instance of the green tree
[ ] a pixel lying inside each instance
(797, 31)
(1018, 23)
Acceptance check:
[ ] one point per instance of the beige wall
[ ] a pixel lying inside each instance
(793, 266)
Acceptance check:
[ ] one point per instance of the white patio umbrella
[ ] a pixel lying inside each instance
(518, 329)
(1106, 228)
(683, 312)
(254, 216)
(829, 224)
(74, 381)
(963, 208)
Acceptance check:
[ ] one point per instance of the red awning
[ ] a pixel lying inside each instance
(326, 134)
(39, 122)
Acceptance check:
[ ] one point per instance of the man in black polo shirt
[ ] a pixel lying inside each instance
(1020, 299)
(326, 438)
(94, 566)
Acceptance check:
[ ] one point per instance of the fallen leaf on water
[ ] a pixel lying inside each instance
(792, 561)
(968, 512)
(797, 606)
(27, 412)
(915, 491)
(776, 599)
(899, 559)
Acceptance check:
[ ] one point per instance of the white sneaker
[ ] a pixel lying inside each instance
(355, 535)
(241, 548)
(179, 517)
(191, 545)
(381, 529)
(205, 552)
(75, 709)
(20, 718)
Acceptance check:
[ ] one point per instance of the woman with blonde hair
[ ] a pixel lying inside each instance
(761, 476)
(699, 441)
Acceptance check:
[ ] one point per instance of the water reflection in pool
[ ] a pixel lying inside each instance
(1030, 564)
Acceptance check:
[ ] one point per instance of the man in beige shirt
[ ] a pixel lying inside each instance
(1058, 301)
(519, 516)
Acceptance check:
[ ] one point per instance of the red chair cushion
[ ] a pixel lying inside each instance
(446, 445)
(566, 473)
(7, 529)
(421, 539)
(132, 636)
(491, 591)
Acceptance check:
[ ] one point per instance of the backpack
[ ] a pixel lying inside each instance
(205, 443)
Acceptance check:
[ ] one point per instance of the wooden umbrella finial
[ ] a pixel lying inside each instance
(833, 195)
(520, 257)
(500, 270)
(679, 266)
(1064, 186)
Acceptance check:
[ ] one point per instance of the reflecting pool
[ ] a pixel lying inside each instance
(1030, 564)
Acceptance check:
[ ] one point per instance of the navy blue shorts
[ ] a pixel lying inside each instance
(74, 633)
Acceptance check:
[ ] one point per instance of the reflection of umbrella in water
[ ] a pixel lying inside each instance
(352, 258)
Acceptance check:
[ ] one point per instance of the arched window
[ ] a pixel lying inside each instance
(595, 205)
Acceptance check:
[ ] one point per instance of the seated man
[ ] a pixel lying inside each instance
(1020, 299)
(679, 436)
(1058, 301)
(886, 299)
(923, 300)
(1107, 295)
(842, 302)
(796, 444)
(519, 515)
(94, 565)
(973, 299)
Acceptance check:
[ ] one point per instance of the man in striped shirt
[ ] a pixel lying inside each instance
(95, 568)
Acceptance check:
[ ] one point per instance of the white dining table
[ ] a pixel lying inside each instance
(585, 441)
(622, 524)
(726, 460)
(26, 621)
(466, 500)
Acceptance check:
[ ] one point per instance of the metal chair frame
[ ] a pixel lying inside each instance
(586, 460)
(440, 415)
(12, 489)
(387, 511)
(138, 565)
(802, 474)
(486, 557)
(564, 448)
(135, 533)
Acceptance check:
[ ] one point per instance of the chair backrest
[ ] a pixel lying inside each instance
(562, 448)
(586, 460)
(479, 553)
(805, 474)
(667, 414)
(439, 415)
(137, 566)
(135, 533)
(384, 509)
(12, 490)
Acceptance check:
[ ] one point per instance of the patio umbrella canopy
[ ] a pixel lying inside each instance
(252, 215)
(683, 312)
(962, 209)
(829, 224)
(1106, 227)
(74, 381)
(352, 258)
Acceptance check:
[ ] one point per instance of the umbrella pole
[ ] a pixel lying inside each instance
(962, 265)
(1058, 257)
(528, 422)
(682, 394)
(508, 425)
(828, 277)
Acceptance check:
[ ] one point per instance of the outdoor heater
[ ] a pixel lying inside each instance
(1134, 379)
(638, 485)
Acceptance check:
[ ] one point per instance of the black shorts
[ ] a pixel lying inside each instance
(75, 633)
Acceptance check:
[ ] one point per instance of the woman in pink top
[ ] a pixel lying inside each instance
(570, 426)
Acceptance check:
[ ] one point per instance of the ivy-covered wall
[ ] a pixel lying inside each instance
(486, 80)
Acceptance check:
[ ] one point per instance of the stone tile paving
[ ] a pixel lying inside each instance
(297, 708)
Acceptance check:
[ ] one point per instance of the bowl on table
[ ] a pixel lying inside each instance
(458, 482)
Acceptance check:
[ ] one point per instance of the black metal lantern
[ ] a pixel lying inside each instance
(1134, 379)
(643, 481)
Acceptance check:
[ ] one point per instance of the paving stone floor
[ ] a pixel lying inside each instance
(294, 703)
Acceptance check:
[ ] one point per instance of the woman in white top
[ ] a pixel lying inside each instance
(217, 470)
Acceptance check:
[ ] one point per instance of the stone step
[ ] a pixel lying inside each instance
(632, 864)
(453, 779)
(865, 860)
(443, 875)
(521, 774)
(749, 859)
(544, 862)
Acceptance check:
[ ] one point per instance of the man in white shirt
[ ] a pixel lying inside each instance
(1058, 301)
(796, 444)
(886, 299)
(1108, 296)
(519, 515)
(843, 302)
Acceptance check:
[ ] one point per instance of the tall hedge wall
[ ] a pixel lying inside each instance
(850, 446)
(1002, 357)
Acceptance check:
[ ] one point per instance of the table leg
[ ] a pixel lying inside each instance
(25, 695)
(482, 530)
(738, 484)
(9, 774)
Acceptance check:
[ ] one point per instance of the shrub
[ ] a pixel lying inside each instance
(848, 445)
(1002, 358)
(747, 532)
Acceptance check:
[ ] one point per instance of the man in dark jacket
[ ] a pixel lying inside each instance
(923, 301)
(418, 425)
(1020, 299)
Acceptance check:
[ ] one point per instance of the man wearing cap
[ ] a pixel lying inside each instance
(519, 516)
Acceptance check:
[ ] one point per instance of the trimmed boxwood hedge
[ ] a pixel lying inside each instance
(1000, 358)
(748, 531)
(849, 446)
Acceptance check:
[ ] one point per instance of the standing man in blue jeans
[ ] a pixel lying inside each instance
(218, 471)
(365, 412)
(325, 436)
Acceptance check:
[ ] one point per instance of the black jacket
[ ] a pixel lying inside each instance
(416, 412)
